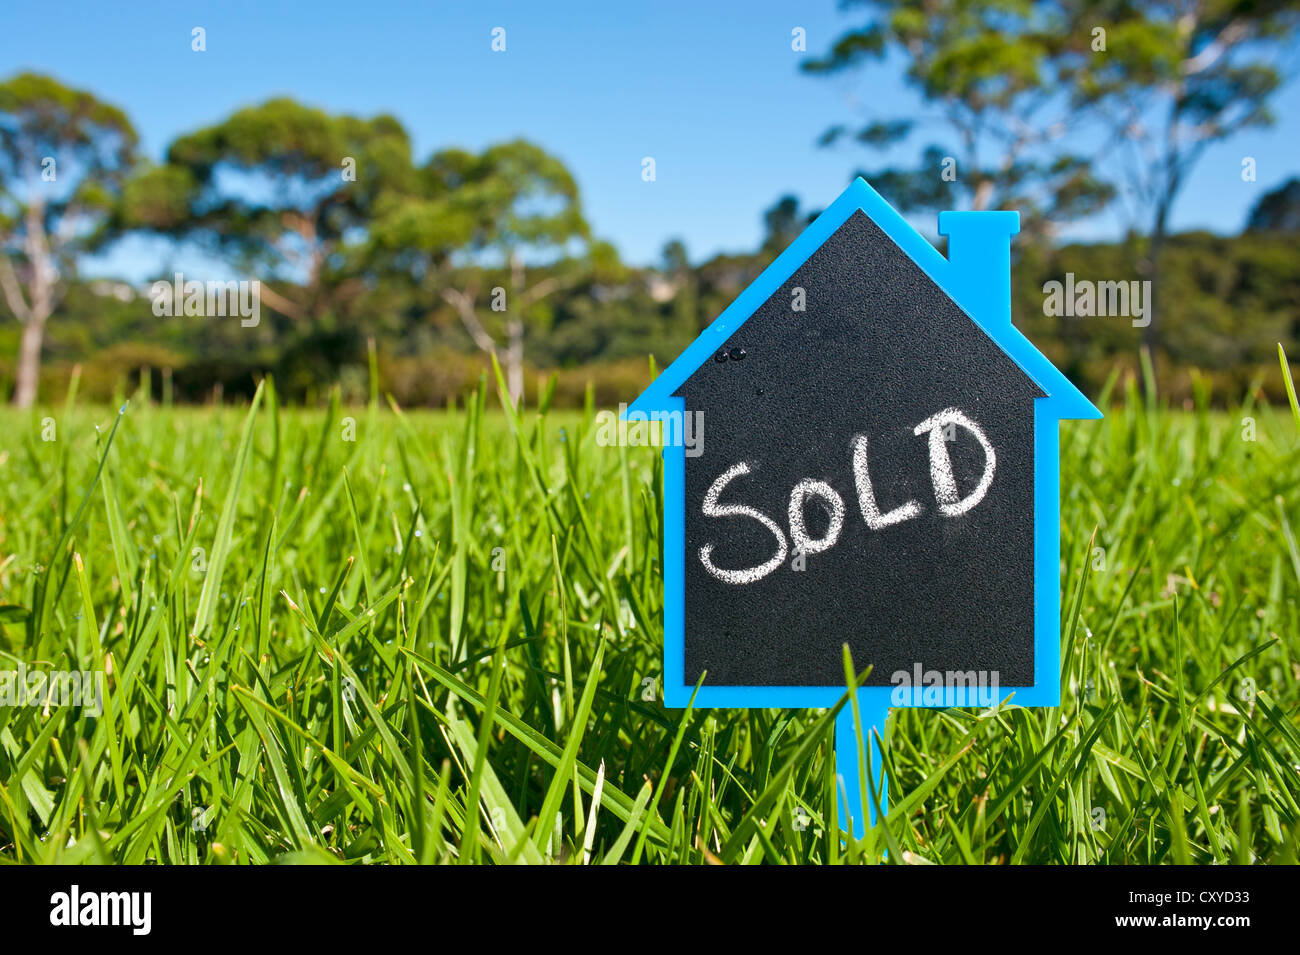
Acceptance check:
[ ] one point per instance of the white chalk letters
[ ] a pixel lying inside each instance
(941, 428)
(834, 506)
(713, 509)
(945, 485)
(867, 497)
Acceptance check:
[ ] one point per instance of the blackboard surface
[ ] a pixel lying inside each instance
(878, 350)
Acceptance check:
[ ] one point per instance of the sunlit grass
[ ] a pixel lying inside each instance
(440, 641)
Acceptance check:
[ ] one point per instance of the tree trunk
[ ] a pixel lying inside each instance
(515, 360)
(1150, 336)
(29, 362)
(37, 309)
(515, 331)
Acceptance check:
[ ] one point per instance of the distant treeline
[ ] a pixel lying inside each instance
(339, 234)
(1226, 301)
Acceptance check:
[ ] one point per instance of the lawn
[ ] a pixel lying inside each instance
(372, 635)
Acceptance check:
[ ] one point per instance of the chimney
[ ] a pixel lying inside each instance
(979, 258)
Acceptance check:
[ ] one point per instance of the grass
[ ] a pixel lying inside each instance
(439, 642)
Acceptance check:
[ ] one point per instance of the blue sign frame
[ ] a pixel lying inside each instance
(964, 278)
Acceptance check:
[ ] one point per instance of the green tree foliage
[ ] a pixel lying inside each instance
(990, 73)
(1170, 79)
(277, 190)
(63, 156)
(782, 224)
(1278, 210)
(1229, 300)
(466, 254)
(1152, 84)
(466, 233)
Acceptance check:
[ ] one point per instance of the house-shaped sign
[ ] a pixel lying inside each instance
(875, 464)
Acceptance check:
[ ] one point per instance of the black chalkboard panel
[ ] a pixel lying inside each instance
(934, 563)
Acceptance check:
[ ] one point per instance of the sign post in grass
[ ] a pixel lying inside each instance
(861, 457)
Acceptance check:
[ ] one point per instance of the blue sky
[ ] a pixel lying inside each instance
(711, 91)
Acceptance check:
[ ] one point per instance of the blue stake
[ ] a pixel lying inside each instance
(853, 780)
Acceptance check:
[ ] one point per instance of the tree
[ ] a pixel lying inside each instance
(675, 259)
(990, 73)
(63, 157)
(782, 224)
(1170, 79)
(469, 229)
(1278, 210)
(281, 188)
(675, 288)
